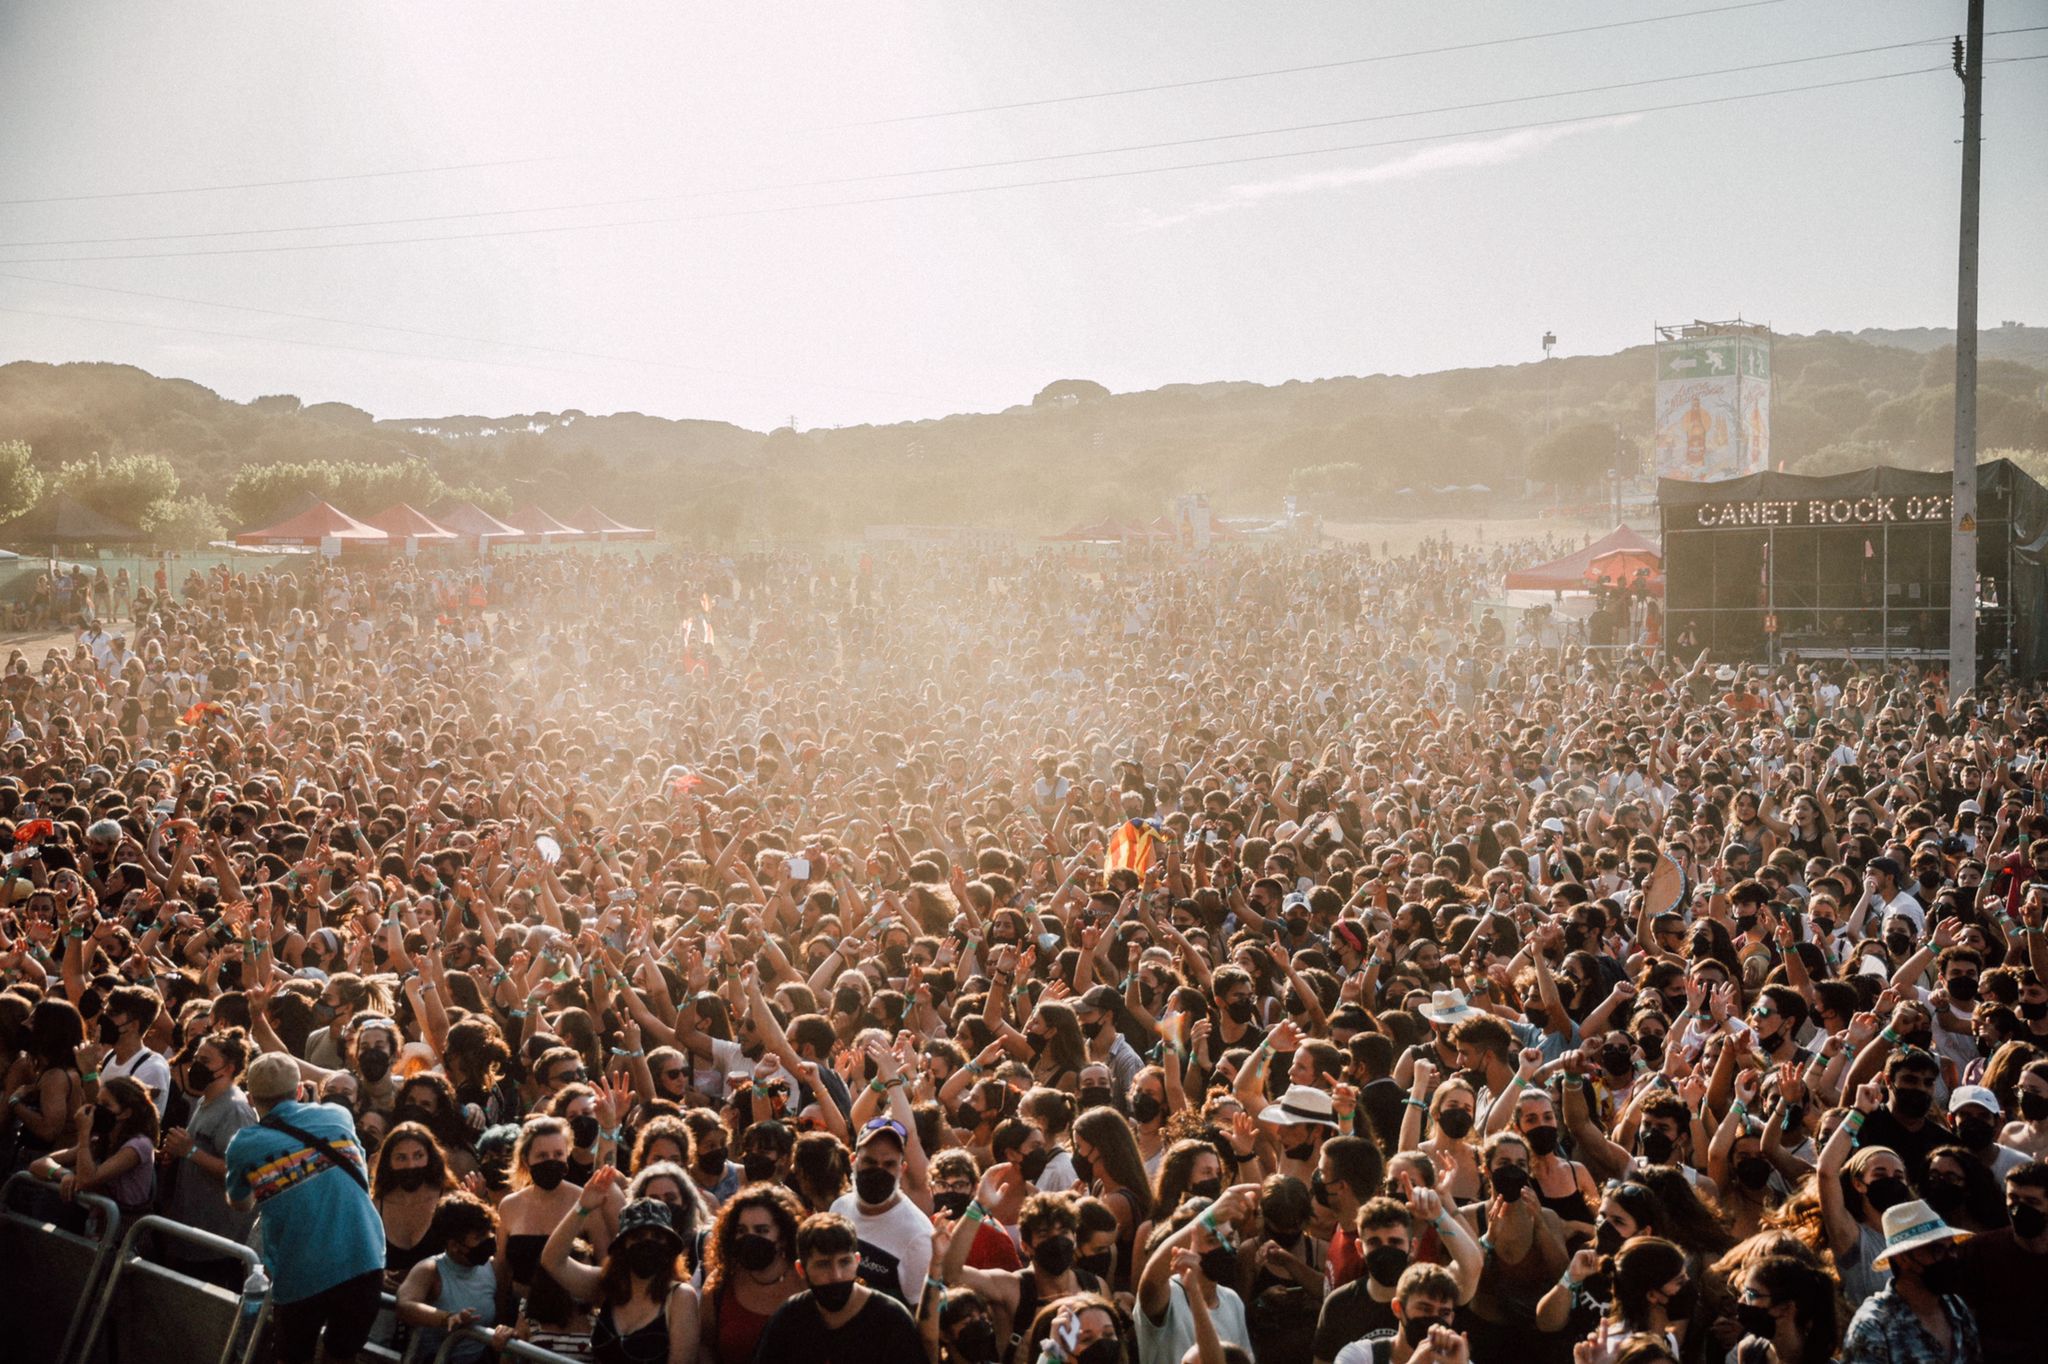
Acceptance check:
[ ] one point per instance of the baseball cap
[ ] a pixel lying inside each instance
(1975, 1094)
(271, 1077)
(882, 1127)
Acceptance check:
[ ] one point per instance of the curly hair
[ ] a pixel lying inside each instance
(781, 1206)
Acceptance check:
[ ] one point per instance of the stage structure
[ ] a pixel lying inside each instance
(1853, 565)
(1713, 402)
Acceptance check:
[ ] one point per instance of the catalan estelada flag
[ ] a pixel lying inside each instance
(1134, 845)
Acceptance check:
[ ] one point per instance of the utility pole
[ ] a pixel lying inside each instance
(1962, 556)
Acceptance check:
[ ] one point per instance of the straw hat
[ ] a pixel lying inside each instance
(1909, 1226)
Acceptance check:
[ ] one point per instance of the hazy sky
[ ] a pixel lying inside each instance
(731, 276)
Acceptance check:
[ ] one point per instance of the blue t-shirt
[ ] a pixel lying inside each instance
(319, 1226)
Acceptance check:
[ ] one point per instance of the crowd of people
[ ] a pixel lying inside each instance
(1217, 958)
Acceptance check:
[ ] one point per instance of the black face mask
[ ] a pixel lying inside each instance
(1656, 1146)
(110, 1029)
(952, 1203)
(1053, 1256)
(409, 1180)
(583, 1130)
(1318, 1189)
(1963, 988)
(1607, 1238)
(1240, 1010)
(1510, 1181)
(2028, 1221)
(1684, 1304)
(711, 1163)
(976, 1341)
(1091, 1096)
(1542, 1140)
(1415, 1330)
(1755, 1320)
(1144, 1107)
(1912, 1103)
(1211, 1189)
(472, 1254)
(198, 1075)
(1033, 1165)
(2034, 1010)
(874, 1185)
(1084, 1168)
(1753, 1173)
(1652, 1044)
(1885, 1193)
(1305, 1151)
(1454, 1122)
(2033, 1106)
(1107, 1350)
(1945, 1276)
(103, 1121)
(1385, 1264)
(548, 1174)
(1616, 1061)
(1945, 1196)
(1220, 1264)
(1976, 1133)
(754, 1253)
(1099, 1264)
(759, 1167)
(833, 1297)
(374, 1064)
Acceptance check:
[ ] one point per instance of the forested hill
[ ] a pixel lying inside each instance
(181, 459)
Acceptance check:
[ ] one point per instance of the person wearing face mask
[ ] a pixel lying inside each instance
(1425, 1297)
(1855, 1190)
(2003, 1270)
(2027, 1133)
(1975, 1116)
(953, 1180)
(1098, 1014)
(1049, 1231)
(541, 1195)
(1165, 1317)
(1919, 1315)
(749, 1270)
(457, 1288)
(208, 1070)
(125, 1020)
(1563, 1186)
(718, 1177)
(1364, 1309)
(646, 1308)
(1524, 1245)
(895, 1236)
(1653, 1293)
(344, 996)
(838, 1317)
(1905, 1122)
(407, 1181)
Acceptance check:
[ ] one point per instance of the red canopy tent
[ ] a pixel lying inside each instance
(472, 522)
(588, 517)
(1569, 573)
(1625, 566)
(403, 521)
(542, 526)
(318, 522)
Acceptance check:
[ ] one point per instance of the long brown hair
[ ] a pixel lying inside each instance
(780, 1204)
(140, 1122)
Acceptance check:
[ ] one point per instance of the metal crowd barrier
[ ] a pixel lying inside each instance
(514, 1349)
(32, 1277)
(147, 1275)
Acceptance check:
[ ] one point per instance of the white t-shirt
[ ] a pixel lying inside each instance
(147, 1069)
(1167, 1341)
(895, 1245)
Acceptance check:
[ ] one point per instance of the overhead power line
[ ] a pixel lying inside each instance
(1300, 70)
(274, 184)
(962, 190)
(1209, 138)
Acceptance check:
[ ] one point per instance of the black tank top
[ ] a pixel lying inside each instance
(648, 1345)
(1569, 1207)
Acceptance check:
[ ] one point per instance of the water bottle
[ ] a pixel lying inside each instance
(255, 1289)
